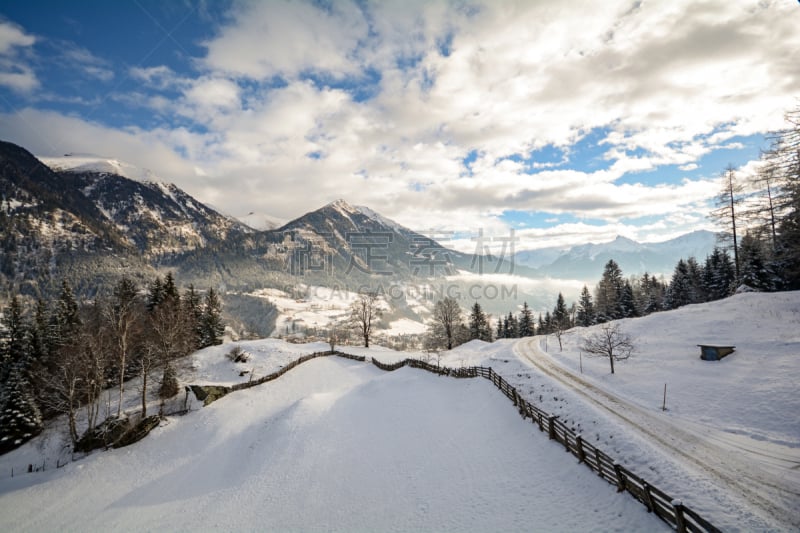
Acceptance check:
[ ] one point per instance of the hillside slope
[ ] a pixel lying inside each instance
(333, 445)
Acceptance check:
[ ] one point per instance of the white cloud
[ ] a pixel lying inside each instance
(12, 36)
(283, 38)
(15, 72)
(664, 83)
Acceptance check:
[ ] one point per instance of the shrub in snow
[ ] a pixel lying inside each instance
(238, 355)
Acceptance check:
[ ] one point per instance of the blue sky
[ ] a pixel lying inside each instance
(449, 115)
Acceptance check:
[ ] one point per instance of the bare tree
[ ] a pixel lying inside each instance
(123, 317)
(363, 313)
(447, 315)
(727, 202)
(610, 341)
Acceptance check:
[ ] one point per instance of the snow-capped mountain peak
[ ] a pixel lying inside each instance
(100, 165)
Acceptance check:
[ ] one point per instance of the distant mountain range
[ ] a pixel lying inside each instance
(586, 262)
(82, 220)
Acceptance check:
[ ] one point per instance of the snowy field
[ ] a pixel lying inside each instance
(334, 445)
(339, 445)
(315, 307)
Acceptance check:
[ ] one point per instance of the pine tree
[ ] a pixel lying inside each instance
(754, 271)
(478, 324)
(212, 325)
(627, 302)
(560, 315)
(194, 314)
(680, 287)
(609, 292)
(585, 316)
(20, 418)
(511, 327)
(500, 330)
(13, 338)
(718, 275)
(155, 294)
(66, 321)
(697, 292)
(170, 289)
(526, 325)
(653, 294)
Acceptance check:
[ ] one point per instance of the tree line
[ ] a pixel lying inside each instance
(60, 358)
(761, 213)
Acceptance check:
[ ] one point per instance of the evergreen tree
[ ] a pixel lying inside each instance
(66, 321)
(478, 324)
(500, 329)
(194, 313)
(20, 418)
(609, 293)
(680, 287)
(560, 314)
(511, 327)
(541, 327)
(13, 338)
(653, 294)
(718, 275)
(585, 315)
(155, 294)
(627, 302)
(754, 271)
(212, 325)
(525, 324)
(170, 289)
(548, 323)
(697, 292)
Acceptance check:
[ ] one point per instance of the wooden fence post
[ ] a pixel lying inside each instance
(648, 498)
(579, 445)
(680, 521)
(620, 477)
(599, 463)
(551, 427)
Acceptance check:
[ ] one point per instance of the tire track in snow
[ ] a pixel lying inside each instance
(742, 476)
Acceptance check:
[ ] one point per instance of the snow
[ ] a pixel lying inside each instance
(92, 163)
(338, 445)
(333, 445)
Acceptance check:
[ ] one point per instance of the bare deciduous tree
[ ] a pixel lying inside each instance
(610, 341)
(447, 315)
(728, 201)
(363, 312)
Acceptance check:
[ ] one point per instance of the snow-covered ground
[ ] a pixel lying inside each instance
(333, 445)
(338, 445)
(316, 308)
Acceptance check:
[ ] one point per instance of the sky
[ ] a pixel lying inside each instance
(568, 122)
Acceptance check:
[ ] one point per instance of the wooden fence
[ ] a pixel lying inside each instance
(668, 509)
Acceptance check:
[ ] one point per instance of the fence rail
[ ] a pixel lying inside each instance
(670, 510)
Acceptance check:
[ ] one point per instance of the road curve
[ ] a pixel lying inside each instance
(758, 477)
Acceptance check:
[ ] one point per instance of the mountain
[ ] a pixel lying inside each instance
(586, 262)
(84, 220)
(89, 225)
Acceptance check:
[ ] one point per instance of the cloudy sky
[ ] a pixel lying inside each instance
(567, 121)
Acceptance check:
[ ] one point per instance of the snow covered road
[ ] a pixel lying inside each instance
(765, 475)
